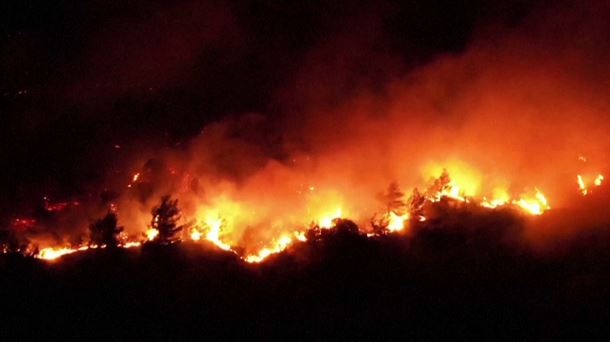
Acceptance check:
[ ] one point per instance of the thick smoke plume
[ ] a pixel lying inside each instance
(521, 108)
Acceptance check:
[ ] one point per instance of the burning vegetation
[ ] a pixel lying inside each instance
(397, 213)
(299, 169)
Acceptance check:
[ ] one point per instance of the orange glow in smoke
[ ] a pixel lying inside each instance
(219, 221)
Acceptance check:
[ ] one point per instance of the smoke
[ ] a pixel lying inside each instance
(514, 111)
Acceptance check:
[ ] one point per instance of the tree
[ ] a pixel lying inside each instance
(416, 204)
(439, 185)
(104, 231)
(394, 199)
(164, 219)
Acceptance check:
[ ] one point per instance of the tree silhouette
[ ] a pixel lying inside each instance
(104, 231)
(415, 204)
(438, 185)
(164, 219)
(394, 199)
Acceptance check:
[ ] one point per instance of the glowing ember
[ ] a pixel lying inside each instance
(54, 206)
(598, 180)
(134, 179)
(23, 223)
(581, 185)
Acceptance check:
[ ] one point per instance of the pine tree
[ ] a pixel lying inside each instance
(439, 185)
(394, 200)
(104, 231)
(416, 204)
(164, 219)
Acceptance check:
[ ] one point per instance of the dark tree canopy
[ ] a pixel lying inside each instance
(164, 219)
(394, 199)
(415, 204)
(105, 231)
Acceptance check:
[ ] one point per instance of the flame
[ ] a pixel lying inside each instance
(500, 198)
(581, 185)
(151, 234)
(300, 236)
(327, 221)
(134, 179)
(195, 235)
(218, 220)
(281, 244)
(53, 253)
(534, 205)
(131, 244)
(213, 225)
(396, 222)
(465, 180)
(453, 192)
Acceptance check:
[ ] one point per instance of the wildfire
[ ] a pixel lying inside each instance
(327, 221)
(151, 234)
(582, 185)
(396, 222)
(51, 253)
(131, 244)
(134, 179)
(195, 235)
(217, 220)
(281, 244)
(213, 225)
(534, 205)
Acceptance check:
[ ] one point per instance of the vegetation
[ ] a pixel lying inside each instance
(165, 219)
(105, 231)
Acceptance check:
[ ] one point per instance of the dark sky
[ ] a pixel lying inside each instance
(79, 77)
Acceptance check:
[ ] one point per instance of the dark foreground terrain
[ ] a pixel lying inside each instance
(442, 281)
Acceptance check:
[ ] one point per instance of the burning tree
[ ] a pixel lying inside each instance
(104, 231)
(393, 200)
(416, 204)
(164, 221)
(439, 185)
